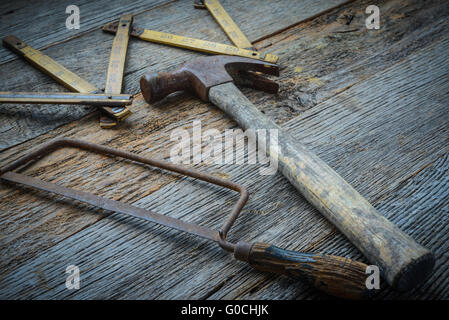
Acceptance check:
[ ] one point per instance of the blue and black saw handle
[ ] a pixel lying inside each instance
(334, 275)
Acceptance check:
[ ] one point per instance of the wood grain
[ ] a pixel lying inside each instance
(403, 262)
(313, 46)
(123, 258)
(424, 195)
(251, 17)
(30, 21)
(337, 276)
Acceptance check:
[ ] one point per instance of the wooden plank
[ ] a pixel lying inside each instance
(419, 203)
(333, 52)
(20, 123)
(426, 200)
(310, 47)
(43, 23)
(149, 129)
(256, 19)
(378, 150)
(121, 257)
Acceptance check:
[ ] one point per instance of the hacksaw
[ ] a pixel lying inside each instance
(63, 76)
(334, 275)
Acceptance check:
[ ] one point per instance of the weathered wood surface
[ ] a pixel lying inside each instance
(150, 126)
(42, 23)
(313, 48)
(33, 222)
(19, 123)
(121, 257)
(424, 196)
(397, 255)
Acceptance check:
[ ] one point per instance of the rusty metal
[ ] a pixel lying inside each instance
(203, 73)
(94, 99)
(6, 173)
(332, 274)
(64, 76)
(403, 262)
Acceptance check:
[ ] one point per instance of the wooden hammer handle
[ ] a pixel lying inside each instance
(402, 262)
(337, 276)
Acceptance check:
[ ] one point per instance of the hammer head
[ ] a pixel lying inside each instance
(201, 74)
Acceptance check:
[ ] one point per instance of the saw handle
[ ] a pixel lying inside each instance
(337, 276)
(156, 86)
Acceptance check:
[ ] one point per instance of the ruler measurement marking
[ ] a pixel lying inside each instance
(201, 45)
(61, 74)
(116, 67)
(227, 24)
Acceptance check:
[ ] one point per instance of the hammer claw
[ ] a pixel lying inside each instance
(203, 73)
(233, 63)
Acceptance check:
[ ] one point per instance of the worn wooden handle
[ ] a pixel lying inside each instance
(156, 86)
(402, 262)
(337, 276)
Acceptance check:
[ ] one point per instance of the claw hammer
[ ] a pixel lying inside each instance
(403, 263)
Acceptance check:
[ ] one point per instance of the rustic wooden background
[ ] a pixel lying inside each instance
(371, 103)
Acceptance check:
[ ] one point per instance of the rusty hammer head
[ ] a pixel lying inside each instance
(201, 74)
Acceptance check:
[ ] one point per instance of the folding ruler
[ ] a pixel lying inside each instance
(243, 47)
(226, 23)
(94, 99)
(113, 112)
